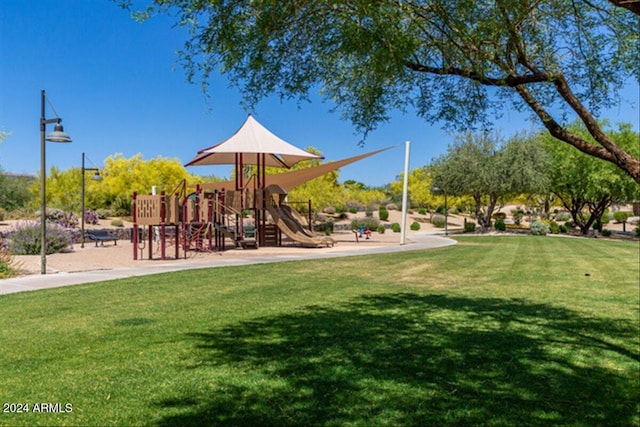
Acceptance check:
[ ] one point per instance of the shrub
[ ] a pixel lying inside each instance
(469, 227)
(392, 207)
(383, 213)
(438, 221)
(562, 228)
(8, 268)
(25, 239)
(422, 211)
(395, 227)
(637, 231)
(104, 213)
(415, 226)
(3, 214)
(553, 226)
(91, 217)
(324, 227)
(539, 228)
(500, 225)
(381, 229)
(370, 223)
(369, 212)
(500, 216)
(517, 217)
(563, 217)
(353, 210)
(621, 216)
(606, 233)
(117, 222)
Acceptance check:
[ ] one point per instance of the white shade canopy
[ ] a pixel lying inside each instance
(252, 140)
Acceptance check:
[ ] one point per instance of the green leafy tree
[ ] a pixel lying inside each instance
(585, 186)
(478, 165)
(451, 60)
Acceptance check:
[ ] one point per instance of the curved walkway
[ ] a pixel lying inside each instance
(36, 282)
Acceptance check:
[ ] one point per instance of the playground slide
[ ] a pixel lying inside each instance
(294, 230)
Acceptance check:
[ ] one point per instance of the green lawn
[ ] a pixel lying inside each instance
(495, 331)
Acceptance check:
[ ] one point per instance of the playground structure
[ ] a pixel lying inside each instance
(207, 218)
(209, 221)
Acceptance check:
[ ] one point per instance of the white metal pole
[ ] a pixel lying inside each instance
(405, 186)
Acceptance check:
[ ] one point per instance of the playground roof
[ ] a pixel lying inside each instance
(251, 141)
(291, 179)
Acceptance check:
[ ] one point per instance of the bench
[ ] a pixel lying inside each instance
(101, 236)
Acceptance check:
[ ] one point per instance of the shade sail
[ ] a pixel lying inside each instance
(290, 180)
(252, 141)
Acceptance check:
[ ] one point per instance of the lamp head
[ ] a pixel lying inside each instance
(58, 134)
(96, 176)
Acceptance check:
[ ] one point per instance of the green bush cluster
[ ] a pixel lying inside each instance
(500, 225)
(415, 226)
(381, 229)
(395, 227)
(469, 227)
(438, 221)
(324, 227)
(422, 211)
(370, 223)
(383, 213)
(621, 216)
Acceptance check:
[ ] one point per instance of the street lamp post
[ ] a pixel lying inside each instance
(446, 210)
(57, 135)
(96, 177)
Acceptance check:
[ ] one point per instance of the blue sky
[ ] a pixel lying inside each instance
(117, 86)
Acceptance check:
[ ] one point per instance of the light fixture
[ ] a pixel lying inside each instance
(96, 177)
(58, 135)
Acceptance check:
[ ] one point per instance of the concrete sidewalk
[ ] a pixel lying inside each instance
(36, 282)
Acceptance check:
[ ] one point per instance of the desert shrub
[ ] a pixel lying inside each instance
(25, 238)
(324, 227)
(422, 211)
(539, 228)
(621, 216)
(369, 212)
(469, 227)
(381, 229)
(354, 206)
(370, 223)
(117, 222)
(104, 213)
(392, 207)
(554, 228)
(500, 225)
(563, 217)
(62, 218)
(637, 231)
(91, 217)
(517, 217)
(500, 215)
(8, 267)
(562, 228)
(438, 221)
(331, 210)
(606, 233)
(383, 213)
(3, 214)
(415, 226)
(395, 227)
(122, 206)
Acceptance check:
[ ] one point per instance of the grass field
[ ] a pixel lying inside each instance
(497, 331)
